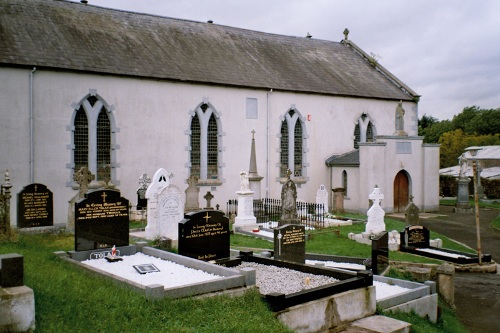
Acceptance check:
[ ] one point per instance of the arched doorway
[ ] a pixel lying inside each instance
(401, 192)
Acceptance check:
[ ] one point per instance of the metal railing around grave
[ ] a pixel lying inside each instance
(269, 210)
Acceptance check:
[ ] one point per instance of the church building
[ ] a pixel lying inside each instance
(126, 93)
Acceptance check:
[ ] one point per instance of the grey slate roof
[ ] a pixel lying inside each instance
(348, 159)
(64, 35)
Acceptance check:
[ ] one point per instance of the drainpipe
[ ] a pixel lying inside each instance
(32, 146)
(267, 143)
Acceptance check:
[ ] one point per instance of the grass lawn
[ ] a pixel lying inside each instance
(71, 299)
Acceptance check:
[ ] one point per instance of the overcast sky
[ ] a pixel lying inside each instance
(448, 51)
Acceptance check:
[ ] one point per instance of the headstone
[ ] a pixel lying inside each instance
(245, 218)
(375, 223)
(289, 202)
(290, 243)
(415, 236)
(169, 212)
(142, 202)
(209, 196)
(322, 198)
(192, 193)
(101, 220)
(35, 207)
(5, 206)
(412, 213)
(83, 177)
(380, 252)
(11, 270)
(161, 180)
(204, 235)
(338, 200)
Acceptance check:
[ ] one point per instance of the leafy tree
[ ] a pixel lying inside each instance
(453, 144)
(473, 120)
(432, 133)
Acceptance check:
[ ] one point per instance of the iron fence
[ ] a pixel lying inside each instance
(269, 210)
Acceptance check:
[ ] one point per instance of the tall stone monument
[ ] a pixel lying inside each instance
(375, 214)
(253, 176)
(289, 202)
(462, 204)
(245, 219)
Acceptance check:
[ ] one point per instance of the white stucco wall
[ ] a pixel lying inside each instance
(152, 119)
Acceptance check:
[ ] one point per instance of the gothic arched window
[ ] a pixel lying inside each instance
(292, 145)
(92, 138)
(204, 144)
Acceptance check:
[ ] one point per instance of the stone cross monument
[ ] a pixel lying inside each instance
(375, 214)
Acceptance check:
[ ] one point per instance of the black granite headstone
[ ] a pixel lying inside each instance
(415, 236)
(142, 202)
(204, 235)
(290, 243)
(380, 252)
(35, 207)
(101, 220)
(11, 270)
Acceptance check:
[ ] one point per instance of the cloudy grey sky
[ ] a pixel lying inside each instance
(448, 51)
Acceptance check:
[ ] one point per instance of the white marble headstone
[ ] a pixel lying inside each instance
(322, 197)
(375, 214)
(165, 207)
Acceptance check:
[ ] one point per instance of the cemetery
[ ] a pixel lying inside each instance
(297, 286)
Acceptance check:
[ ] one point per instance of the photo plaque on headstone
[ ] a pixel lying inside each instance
(101, 220)
(35, 207)
(204, 235)
(290, 243)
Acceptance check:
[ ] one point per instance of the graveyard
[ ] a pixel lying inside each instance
(295, 264)
(233, 260)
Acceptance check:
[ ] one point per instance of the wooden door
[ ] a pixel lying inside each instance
(400, 192)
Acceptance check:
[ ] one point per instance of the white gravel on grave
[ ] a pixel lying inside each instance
(447, 254)
(385, 290)
(171, 275)
(268, 278)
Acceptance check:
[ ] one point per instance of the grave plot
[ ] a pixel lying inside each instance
(158, 274)
(415, 239)
(342, 281)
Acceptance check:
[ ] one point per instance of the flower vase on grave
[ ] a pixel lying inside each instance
(113, 257)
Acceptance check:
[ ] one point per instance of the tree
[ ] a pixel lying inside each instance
(452, 146)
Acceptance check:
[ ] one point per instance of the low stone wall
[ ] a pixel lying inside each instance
(328, 312)
(420, 298)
